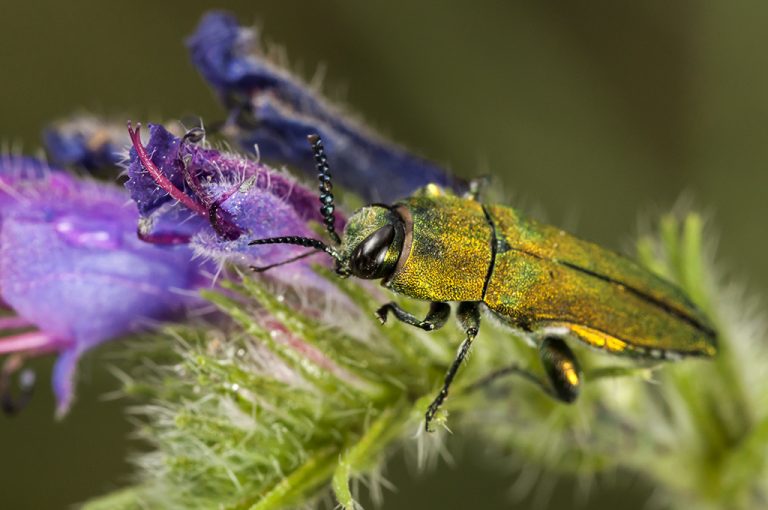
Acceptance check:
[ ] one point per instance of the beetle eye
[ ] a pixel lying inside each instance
(369, 260)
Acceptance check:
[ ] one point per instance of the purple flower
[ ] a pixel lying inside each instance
(275, 111)
(73, 271)
(84, 141)
(218, 202)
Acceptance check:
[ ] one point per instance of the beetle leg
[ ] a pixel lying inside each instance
(644, 371)
(513, 369)
(9, 403)
(468, 314)
(436, 317)
(476, 187)
(561, 366)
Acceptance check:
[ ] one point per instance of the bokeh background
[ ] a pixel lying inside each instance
(595, 113)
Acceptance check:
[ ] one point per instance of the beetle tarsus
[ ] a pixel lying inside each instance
(469, 318)
(436, 317)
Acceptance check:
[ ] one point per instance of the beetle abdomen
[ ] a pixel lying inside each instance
(544, 277)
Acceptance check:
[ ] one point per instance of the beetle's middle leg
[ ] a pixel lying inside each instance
(436, 317)
(469, 318)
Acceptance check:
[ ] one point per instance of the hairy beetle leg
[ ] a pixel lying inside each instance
(469, 318)
(436, 317)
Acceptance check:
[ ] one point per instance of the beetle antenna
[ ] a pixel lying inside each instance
(324, 174)
(261, 269)
(300, 241)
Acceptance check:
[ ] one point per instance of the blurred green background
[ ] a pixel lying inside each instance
(596, 113)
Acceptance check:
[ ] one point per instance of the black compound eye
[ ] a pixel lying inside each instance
(369, 260)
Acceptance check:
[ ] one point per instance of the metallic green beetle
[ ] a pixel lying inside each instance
(535, 278)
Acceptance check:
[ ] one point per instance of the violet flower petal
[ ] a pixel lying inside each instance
(226, 54)
(109, 280)
(276, 111)
(63, 379)
(84, 141)
(72, 266)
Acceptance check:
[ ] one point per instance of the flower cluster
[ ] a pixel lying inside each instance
(81, 264)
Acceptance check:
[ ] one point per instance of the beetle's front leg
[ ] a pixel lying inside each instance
(469, 318)
(436, 317)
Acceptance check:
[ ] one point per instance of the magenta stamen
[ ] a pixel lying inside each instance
(33, 342)
(13, 322)
(166, 239)
(158, 176)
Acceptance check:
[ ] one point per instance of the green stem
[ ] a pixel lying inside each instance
(363, 453)
(314, 472)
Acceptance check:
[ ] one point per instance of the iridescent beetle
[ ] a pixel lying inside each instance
(535, 278)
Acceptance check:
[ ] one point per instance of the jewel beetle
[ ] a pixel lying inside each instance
(534, 278)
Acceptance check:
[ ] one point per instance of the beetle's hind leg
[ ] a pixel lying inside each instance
(562, 368)
(469, 318)
(436, 317)
(513, 369)
(564, 375)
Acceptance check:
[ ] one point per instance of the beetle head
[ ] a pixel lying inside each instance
(373, 240)
(373, 237)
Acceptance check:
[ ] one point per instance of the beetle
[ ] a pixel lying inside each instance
(534, 278)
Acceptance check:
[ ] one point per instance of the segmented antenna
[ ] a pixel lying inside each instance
(326, 197)
(261, 269)
(299, 241)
